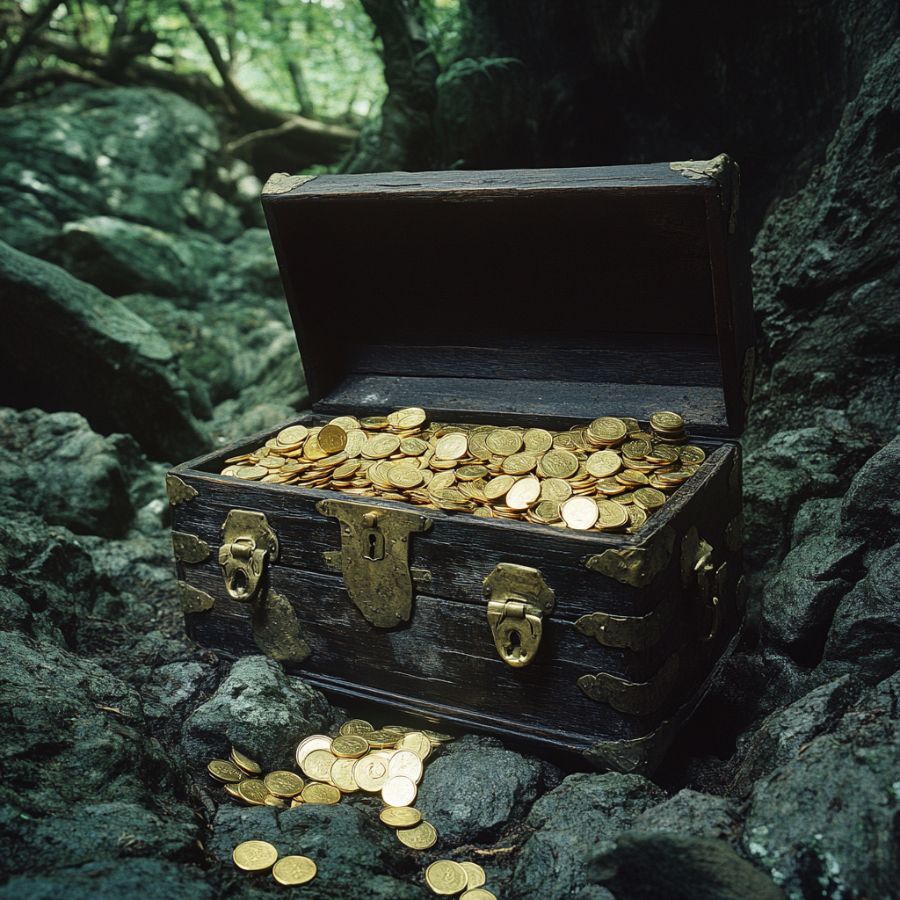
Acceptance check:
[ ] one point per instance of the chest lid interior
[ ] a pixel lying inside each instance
(548, 296)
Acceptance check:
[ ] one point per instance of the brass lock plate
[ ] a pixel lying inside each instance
(518, 599)
(248, 543)
(374, 558)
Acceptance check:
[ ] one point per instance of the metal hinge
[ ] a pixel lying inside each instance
(374, 558)
(518, 599)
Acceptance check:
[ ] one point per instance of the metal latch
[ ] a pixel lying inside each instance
(248, 543)
(518, 598)
(699, 572)
(374, 558)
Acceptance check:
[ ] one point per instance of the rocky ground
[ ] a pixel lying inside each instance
(140, 288)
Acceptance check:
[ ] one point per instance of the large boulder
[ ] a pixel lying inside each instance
(477, 789)
(570, 824)
(65, 344)
(54, 465)
(258, 709)
(139, 154)
(825, 823)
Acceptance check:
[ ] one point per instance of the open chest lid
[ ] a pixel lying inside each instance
(546, 296)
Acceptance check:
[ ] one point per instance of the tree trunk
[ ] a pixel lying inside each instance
(410, 70)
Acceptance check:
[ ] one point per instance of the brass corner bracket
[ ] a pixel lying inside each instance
(283, 183)
(636, 566)
(178, 491)
(725, 172)
(633, 698)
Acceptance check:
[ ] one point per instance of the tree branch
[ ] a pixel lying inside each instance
(35, 24)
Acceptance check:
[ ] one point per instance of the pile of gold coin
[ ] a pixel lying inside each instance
(607, 476)
(261, 856)
(447, 878)
(388, 761)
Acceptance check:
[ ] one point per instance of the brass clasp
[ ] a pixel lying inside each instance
(248, 543)
(518, 598)
(374, 558)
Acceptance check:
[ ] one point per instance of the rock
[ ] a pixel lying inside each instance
(155, 880)
(471, 794)
(825, 822)
(789, 468)
(90, 832)
(122, 257)
(138, 154)
(97, 358)
(350, 847)
(784, 734)
(54, 465)
(865, 635)
(871, 507)
(800, 600)
(680, 867)
(257, 709)
(570, 823)
(51, 574)
(693, 814)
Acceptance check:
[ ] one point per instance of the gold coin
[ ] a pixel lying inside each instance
(666, 421)
(636, 449)
(283, 784)
(374, 422)
(603, 464)
(307, 745)
(332, 439)
(519, 463)
(475, 875)
(691, 455)
(356, 726)
(579, 512)
(559, 464)
(649, 498)
(555, 489)
(400, 816)
(446, 877)
(407, 763)
(611, 514)
(371, 773)
(478, 893)
(294, 870)
(417, 742)
(451, 446)
(503, 442)
(277, 802)
(382, 738)
(380, 446)
(404, 475)
(348, 423)
(320, 793)
(537, 440)
(498, 486)
(663, 454)
(345, 470)
(350, 745)
(294, 434)
(547, 511)
(253, 791)
(630, 477)
(413, 446)
(636, 517)
(412, 417)
(608, 429)
(232, 790)
(224, 771)
(523, 493)
(342, 775)
(254, 856)
(437, 736)
(419, 837)
(250, 473)
(317, 765)
(471, 473)
(399, 791)
(244, 763)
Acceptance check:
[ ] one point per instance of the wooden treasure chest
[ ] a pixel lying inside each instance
(515, 506)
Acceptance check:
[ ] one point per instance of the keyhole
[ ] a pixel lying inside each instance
(372, 543)
(239, 582)
(513, 644)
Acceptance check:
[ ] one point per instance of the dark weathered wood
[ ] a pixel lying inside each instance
(551, 404)
(452, 263)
